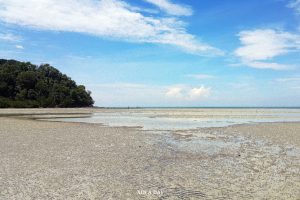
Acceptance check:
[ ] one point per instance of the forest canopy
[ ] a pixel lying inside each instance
(24, 85)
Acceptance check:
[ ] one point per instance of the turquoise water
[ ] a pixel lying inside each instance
(185, 118)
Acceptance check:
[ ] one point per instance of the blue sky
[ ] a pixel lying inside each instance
(163, 52)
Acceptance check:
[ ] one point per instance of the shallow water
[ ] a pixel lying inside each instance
(183, 119)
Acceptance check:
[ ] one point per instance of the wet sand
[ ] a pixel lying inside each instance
(59, 160)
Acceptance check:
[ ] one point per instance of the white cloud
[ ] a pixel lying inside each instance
(268, 65)
(201, 76)
(289, 79)
(261, 45)
(186, 93)
(132, 94)
(174, 92)
(103, 18)
(171, 8)
(263, 65)
(199, 92)
(19, 47)
(295, 4)
(10, 37)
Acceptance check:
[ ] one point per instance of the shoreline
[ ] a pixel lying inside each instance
(245, 127)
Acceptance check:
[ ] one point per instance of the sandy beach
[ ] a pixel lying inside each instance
(66, 160)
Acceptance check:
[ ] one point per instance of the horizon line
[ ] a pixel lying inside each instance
(143, 107)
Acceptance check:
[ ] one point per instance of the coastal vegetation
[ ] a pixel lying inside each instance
(25, 85)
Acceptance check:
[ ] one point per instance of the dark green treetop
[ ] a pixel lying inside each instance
(25, 85)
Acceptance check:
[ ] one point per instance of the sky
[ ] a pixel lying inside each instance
(163, 52)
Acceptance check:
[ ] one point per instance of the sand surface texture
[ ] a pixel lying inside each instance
(60, 160)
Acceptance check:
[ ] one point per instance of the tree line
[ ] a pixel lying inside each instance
(25, 85)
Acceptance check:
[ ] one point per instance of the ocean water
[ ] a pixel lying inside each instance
(185, 118)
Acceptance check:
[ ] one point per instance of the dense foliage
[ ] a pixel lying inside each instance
(24, 85)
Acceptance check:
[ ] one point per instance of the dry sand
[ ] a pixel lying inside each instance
(58, 160)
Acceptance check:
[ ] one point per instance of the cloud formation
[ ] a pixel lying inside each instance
(185, 93)
(268, 65)
(171, 8)
(114, 19)
(201, 76)
(174, 92)
(10, 37)
(289, 79)
(132, 94)
(200, 92)
(295, 4)
(19, 47)
(261, 45)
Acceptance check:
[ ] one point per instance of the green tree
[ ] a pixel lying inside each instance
(27, 79)
(23, 84)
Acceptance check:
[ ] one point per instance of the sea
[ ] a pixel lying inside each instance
(185, 118)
